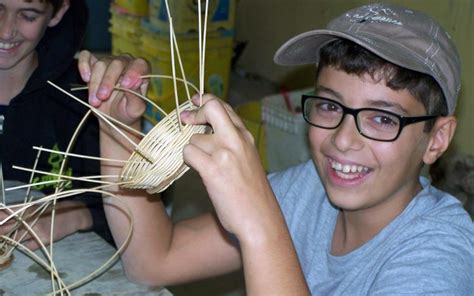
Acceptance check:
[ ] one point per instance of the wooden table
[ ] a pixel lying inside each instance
(75, 257)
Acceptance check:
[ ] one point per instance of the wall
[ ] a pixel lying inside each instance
(266, 24)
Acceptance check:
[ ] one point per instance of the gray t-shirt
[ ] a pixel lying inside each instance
(427, 249)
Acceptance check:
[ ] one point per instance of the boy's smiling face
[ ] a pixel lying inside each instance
(384, 175)
(22, 25)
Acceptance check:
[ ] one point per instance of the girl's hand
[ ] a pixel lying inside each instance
(102, 75)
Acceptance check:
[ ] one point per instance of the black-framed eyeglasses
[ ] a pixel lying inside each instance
(372, 123)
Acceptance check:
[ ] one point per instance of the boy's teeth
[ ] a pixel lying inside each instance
(347, 168)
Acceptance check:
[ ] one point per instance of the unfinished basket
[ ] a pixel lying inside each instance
(158, 161)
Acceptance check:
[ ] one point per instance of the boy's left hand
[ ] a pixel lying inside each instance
(229, 164)
(103, 74)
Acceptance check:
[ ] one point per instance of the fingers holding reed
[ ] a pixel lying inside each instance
(230, 142)
(215, 112)
(103, 74)
(228, 162)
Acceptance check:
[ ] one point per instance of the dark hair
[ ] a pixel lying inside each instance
(56, 5)
(354, 59)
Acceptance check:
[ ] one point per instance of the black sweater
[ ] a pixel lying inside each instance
(42, 116)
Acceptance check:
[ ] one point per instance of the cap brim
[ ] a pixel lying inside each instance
(304, 49)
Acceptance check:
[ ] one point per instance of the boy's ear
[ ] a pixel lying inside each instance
(440, 137)
(59, 14)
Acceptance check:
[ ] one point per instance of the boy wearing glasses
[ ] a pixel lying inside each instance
(356, 220)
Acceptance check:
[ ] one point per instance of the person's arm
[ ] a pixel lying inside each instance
(70, 216)
(158, 253)
(162, 253)
(229, 165)
(98, 222)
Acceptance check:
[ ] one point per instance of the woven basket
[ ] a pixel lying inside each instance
(158, 160)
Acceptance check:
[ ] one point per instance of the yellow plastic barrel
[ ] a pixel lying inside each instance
(250, 113)
(135, 7)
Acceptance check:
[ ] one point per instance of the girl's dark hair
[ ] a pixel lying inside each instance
(56, 5)
(352, 58)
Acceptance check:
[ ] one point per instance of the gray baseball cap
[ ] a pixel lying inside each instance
(404, 37)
